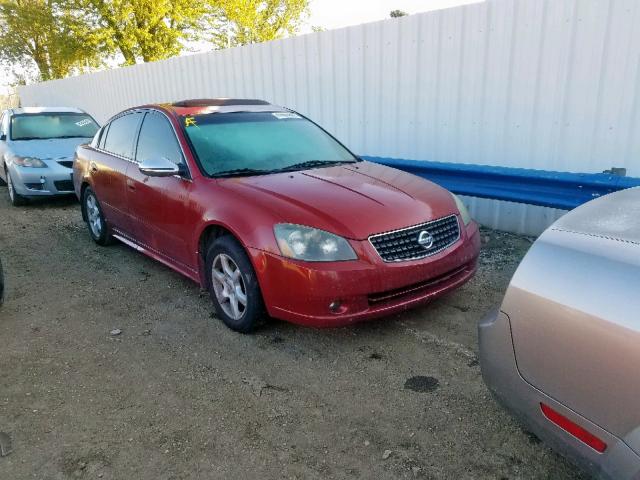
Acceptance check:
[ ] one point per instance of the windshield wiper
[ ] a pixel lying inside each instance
(313, 164)
(52, 138)
(240, 172)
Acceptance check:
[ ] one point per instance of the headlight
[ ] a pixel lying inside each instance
(29, 162)
(464, 213)
(311, 244)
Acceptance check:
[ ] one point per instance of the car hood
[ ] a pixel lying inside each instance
(51, 149)
(351, 200)
(612, 216)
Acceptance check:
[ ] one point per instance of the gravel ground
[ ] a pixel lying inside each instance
(176, 395)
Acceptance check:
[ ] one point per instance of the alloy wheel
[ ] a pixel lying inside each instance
(228, 285)
(93, 215)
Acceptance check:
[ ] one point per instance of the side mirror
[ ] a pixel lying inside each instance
(160, 167)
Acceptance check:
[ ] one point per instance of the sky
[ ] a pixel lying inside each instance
(331, 14)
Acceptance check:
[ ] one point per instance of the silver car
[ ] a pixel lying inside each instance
(563, 351)
(37, 146)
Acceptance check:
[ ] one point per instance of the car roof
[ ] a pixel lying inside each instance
(201, 106)
(613, 216)
(18, 111)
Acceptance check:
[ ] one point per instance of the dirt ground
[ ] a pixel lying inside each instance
(178, 396)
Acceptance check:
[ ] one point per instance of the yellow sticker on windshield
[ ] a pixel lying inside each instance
(190, 122)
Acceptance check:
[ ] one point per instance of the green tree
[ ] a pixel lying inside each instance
(241, 22)
(146, 30)
(45, 33)
(397, 14)
(63, 36)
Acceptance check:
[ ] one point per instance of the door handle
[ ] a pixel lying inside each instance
(93, 167)
(131, 185)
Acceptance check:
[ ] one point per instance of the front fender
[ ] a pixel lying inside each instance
(251, 223)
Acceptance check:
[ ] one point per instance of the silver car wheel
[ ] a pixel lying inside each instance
(93, 215)
(229, 286)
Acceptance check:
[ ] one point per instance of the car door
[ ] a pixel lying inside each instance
(159, 206)
(108, 168)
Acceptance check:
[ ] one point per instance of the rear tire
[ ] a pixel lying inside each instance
(233, 285)
(16, 199)
(92, 211)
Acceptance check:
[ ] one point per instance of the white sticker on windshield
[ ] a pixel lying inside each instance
(283, 115)
(83, 123)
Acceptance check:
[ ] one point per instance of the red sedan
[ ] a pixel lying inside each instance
(271, 214)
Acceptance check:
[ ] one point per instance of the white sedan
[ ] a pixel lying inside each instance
(37, 146)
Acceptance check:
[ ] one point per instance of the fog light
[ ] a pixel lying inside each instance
(334, 306)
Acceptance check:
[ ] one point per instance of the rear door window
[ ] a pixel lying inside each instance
(157, 139)
(121, 134)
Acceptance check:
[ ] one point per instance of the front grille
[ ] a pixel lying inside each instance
(403, 244)
(64, 185)
(66, 163)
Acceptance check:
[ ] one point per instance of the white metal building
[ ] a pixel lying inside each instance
(546, 84)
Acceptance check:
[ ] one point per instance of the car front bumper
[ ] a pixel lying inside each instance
(55, 179)
(500, 373)
(339, 293)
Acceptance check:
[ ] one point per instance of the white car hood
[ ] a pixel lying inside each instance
(51, 149)
(613, 216)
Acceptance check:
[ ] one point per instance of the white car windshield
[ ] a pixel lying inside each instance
(42, 126)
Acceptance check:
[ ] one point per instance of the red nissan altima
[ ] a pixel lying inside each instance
(271, 214)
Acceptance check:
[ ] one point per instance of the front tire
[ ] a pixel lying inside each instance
(15, 198)
(98, 228)
(233, 285)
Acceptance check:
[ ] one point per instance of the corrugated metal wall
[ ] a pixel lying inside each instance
(549, 84)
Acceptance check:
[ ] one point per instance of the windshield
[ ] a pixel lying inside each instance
(247, 143)
(41, 126)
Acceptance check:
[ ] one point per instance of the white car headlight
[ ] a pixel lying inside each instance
(464, 213)
(29, 162)
(310, 244)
